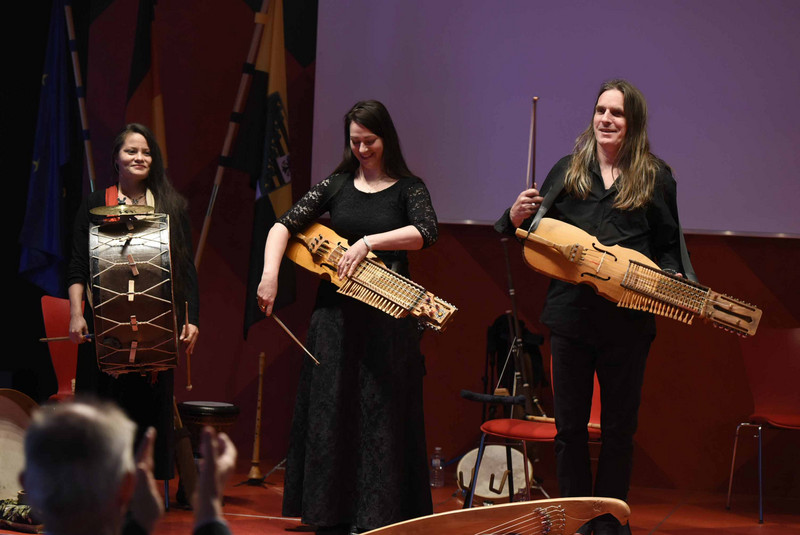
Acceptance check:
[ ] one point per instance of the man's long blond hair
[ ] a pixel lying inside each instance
(636, 164)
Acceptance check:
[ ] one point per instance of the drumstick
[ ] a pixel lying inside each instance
(285, 328)
(188, 353)
(65, 338)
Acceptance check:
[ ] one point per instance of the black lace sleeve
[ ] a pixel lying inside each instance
(420, 212)
(308, 209)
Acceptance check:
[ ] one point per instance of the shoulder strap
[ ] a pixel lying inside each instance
(688, 270)
(112, 195)
(549, 199)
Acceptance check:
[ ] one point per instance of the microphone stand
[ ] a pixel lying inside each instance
(522, 375)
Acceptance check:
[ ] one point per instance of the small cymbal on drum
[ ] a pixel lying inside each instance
(122, 210)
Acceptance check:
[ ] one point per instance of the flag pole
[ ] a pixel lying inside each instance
(233, 126)
(81, 92)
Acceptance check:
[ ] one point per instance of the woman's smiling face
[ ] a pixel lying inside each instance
(134, 159)
(366, 146)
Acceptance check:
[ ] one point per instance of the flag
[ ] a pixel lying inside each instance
(43, 255)
(145, 100)
(262, 150)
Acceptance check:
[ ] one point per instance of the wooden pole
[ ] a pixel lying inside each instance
(81, 92)
(233, 128)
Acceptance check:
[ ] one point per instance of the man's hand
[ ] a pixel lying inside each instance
(219, 460)
(146, 505)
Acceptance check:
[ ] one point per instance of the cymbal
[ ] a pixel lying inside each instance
(122, 209)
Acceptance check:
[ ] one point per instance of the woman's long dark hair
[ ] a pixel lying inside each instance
(168, 201)
(374, 116)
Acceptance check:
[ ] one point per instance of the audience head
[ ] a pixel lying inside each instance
(79, 466)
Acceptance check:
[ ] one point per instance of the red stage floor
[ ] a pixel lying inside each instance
(256, 510)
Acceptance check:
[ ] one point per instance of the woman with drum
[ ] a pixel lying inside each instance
(357, 456)
(142, 180)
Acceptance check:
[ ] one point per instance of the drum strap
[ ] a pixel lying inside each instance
(112, 195)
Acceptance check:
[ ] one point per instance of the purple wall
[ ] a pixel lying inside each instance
(721, 78)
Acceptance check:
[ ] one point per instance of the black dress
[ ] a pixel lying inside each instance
(357, 450)
(146, 401)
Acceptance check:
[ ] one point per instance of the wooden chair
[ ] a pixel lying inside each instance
(772, 364)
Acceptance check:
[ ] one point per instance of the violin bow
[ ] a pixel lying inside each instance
(530, 180)
(293, 337)
(530, 176)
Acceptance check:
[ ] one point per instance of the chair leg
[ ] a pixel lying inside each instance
(733, 463)
(528, 477)
(471, 494)
(760, 482)
(166, 494)
(758, 436)
(510, 468)
(530, 480)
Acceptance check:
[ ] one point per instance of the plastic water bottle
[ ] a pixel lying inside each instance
(437, 468)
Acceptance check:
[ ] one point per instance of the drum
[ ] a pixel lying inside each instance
(493, 462)
(131, 285)
(198, 414)
(15, 414)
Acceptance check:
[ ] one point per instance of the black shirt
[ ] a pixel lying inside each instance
(652, 230)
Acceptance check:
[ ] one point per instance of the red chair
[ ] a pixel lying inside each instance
(772, 364)
(524, 431)
(64, 355)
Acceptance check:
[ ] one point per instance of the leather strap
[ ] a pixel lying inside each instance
(548, 201)
(112, 195)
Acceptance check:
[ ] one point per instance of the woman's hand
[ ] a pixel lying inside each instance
(267, 290)
(527, 204)
(77, 329)
(351, 258)
(189, 335)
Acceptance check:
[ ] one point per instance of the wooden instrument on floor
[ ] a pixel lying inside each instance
(540, 517)
(319, 249)
(255, 477)
(16, 411)
(629, 278)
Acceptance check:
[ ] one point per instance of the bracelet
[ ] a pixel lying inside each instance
(367, 243)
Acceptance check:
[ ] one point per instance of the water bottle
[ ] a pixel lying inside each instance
(437, 468)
